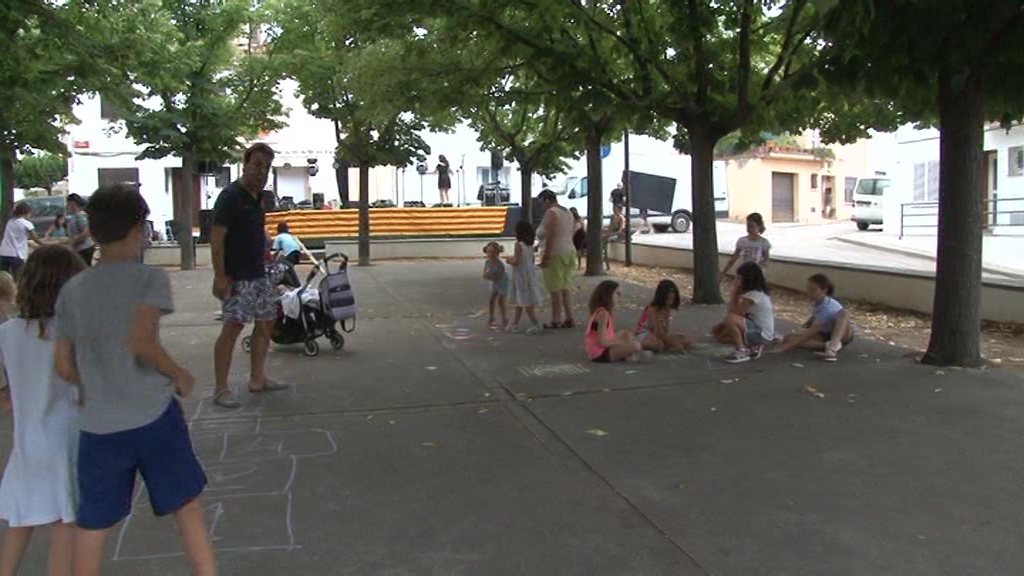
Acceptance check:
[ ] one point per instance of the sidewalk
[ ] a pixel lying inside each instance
(1000, 254)
(431, 445)
(835, 244)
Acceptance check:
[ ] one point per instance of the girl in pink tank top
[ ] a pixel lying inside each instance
(653, 331)
(601, 341)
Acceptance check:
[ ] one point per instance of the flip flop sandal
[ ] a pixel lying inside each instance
(550, 326)
(226, 399)
(270, 386)
(569, 324)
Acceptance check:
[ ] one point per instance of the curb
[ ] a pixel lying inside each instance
(1014, 274)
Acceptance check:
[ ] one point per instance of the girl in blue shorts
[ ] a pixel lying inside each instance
(829, 328)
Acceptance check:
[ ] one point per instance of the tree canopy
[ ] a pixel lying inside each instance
(199, 85)
(953, 73)
(40, 170)
(53, 52)
(707, 68)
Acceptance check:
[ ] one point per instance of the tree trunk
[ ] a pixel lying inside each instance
(184, 215)
(364, 214)
(526, 181)
(705, 236)
(595, 204)
(341, 176)
(956, 315)
(6, 186)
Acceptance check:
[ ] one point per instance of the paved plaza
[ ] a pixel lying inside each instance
(431, 445)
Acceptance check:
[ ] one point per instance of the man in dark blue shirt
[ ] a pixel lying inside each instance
(238, 243)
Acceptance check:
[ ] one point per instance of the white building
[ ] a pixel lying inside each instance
(912, 198)
(102, 154)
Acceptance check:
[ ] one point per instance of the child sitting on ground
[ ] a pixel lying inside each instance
(829, 328)
(107, 327)
(38, 486)
(749, 323)
(494, 272)
(751, 248)
(526, 291)
(653, 330)
(602, 342)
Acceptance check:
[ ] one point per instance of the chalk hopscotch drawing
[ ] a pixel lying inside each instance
(552, 370)
(250, 472)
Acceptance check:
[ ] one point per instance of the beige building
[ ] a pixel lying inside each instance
(804, 183)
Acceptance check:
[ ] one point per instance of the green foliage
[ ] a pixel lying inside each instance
(351, 78)
(873, 58)
(40, 170)
(50, 56)
(189, 88)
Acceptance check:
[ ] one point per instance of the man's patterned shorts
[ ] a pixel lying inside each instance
(250, 300)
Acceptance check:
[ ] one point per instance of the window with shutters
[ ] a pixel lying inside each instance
(485, 175)
(108, 111)
(926, 181)
(111, 176)
(851, 185)
(1016, 163)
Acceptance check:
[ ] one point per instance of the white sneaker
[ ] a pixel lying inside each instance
(830, 352)
(535, 329)
(738, 356)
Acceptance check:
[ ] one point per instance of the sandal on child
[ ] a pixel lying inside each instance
(570, 323)
(226, 399)
(552, 326)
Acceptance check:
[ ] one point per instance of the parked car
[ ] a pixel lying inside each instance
(45, 209)
(867, 202)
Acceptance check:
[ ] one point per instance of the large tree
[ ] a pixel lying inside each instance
(957, 70)
(338, 70)
(53, 52)
(199, 86)
(711, 68)
(529, 130)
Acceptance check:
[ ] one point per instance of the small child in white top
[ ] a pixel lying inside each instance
(38, 486)
(749, 323)
(753, 247)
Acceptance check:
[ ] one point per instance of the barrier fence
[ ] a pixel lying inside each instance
(925, 215)
(398, 222)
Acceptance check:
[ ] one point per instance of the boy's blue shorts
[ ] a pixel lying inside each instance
(160, 451)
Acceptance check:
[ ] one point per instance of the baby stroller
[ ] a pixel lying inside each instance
(320, 310)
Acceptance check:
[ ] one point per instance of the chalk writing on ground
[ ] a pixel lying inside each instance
(551, 370)
(248, 500)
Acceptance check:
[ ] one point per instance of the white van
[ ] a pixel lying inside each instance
(655, 165)
(868, 198)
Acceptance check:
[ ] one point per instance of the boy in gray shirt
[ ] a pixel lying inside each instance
(107, 324)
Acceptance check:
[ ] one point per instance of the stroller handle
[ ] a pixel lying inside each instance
(322, 265)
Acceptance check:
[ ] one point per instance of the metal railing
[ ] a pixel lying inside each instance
(999, 212)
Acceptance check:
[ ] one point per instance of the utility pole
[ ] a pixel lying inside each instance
(627, 189)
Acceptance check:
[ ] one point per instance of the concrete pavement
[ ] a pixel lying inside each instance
(431, 445)
(840, 243)
(1000, 254)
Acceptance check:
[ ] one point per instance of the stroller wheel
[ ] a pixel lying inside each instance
(247, 344)
(337, 341)
(312, 348)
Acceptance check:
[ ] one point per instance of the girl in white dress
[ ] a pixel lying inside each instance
(526, 290)
(39, 484)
